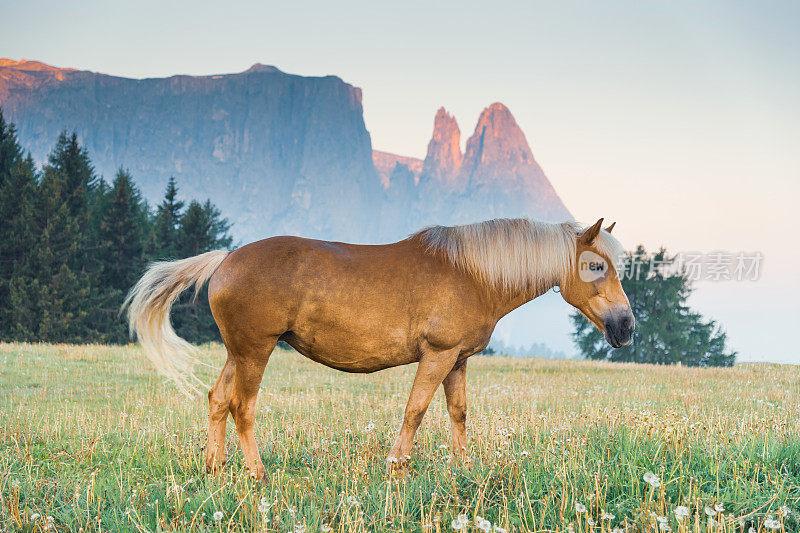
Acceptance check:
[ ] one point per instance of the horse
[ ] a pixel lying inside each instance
(431, 299)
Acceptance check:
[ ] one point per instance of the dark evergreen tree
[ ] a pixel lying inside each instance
(667, 330)
(17, 195)
(166, 223)
(122, 236)
(202, 229)
(62, 264)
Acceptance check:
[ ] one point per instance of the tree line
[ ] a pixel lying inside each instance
(72, 245)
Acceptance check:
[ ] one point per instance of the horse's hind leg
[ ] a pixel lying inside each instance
(248, 371)
(219, 400)
(456, 394)
(432, 369)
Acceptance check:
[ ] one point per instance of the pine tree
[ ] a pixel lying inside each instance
(202, 229)
(63, 266)
(17, 195)
(667, 330)
(122, 235)
(166, 222)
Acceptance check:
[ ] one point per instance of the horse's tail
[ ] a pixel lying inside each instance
(149, 303)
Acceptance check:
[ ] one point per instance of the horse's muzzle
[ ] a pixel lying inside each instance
(619, 328)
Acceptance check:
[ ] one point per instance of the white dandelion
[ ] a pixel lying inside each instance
(219, 515)
(460, 522)
(652, 480)
(483, 524)
(580, 508)
(681, 512)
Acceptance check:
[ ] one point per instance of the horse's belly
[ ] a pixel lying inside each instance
(348, 351)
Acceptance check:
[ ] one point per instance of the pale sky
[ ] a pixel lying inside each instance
(679, 120)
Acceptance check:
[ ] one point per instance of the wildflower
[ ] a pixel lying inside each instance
(460, 522)
(263, 506)
(784, 511)
(15, 484)
(483, 524)
(606, 516)
(219, 515)
(580, 508)
(525, 453)
(662, 519)
(709, 511)
(771, 523)
(299, 528)
(351, 500)
(752, 530)
(663, 526)
(590, 521)
(681, 512)
(369, 427)
(498, 529)
(35, 517)
(719, 507)
(652, 480)
(347, 432)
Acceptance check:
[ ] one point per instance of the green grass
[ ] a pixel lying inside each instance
(92, 437)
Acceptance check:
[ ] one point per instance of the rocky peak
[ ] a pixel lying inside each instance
(443, 159)
(259, 67)
(497, 148)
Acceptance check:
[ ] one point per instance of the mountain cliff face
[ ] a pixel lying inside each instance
(277, 153)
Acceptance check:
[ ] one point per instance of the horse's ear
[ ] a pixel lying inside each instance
(590, 234)
(609, 228)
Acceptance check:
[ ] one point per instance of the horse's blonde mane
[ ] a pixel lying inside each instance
(515, 254)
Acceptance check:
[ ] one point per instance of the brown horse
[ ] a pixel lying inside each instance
(432, 299)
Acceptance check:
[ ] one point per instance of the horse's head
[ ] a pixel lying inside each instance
(594, 288)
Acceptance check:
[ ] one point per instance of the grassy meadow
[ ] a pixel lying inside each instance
(92, 439)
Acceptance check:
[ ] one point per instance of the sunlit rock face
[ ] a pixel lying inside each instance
(497, 176)
(277, 153)
(501, 173)
(443, 159)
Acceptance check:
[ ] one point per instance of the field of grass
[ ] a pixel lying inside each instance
(92, 439)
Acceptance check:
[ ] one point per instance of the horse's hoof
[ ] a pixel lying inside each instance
(397, 467)
(259, 476)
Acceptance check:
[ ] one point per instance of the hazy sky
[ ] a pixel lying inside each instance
(679, 120)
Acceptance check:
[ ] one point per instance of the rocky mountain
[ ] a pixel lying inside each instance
(443, 159)
(497, 176)
(279, 153)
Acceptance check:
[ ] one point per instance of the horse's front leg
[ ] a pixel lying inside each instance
(455, 390)
(432, 369)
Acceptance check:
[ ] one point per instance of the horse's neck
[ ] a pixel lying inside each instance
(506, 301)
